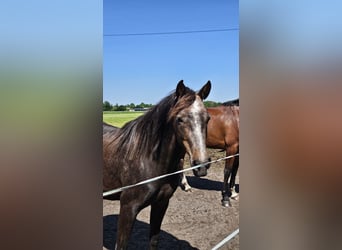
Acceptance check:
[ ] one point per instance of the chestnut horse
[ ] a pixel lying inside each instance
(223, 133)
(154, 144)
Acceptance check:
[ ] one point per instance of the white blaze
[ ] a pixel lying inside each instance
(196, 110)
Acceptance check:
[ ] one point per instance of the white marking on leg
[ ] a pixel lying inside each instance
(185, 183)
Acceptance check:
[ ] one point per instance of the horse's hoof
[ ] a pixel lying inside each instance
(186, 188)
(236, 198)
(226, 203)
(234, 195)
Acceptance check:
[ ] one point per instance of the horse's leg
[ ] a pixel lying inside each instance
(158, 210)
(128, 214)
(225, 191)
(228, 169)
(184, 183)
(234, 194)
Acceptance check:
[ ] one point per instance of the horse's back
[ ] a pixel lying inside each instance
(107, 128)
(108, 132)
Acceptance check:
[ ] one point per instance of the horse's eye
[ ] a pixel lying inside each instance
(179, 120)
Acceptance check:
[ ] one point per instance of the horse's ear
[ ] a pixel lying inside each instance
(180, 90)
(205, 90)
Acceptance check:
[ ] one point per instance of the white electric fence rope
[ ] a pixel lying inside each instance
(225, 240)
(114, 191)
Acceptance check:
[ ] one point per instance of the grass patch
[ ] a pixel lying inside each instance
(119, 118)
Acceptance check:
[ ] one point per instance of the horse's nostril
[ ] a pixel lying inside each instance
(196, 162)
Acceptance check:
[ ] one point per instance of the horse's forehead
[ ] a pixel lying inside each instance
(197, 106)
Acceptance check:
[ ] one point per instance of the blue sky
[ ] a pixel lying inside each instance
(146, 68)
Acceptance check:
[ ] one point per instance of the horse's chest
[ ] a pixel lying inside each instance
(166, 191)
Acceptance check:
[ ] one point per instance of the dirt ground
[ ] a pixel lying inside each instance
(194, 220)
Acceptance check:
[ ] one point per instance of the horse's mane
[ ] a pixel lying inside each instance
(143, 135)
(234, 102)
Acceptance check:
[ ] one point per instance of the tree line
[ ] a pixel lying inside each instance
(107, 106)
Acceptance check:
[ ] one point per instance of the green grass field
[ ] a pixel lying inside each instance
(119, 118)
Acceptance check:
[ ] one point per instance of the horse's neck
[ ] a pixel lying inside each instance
(170, 151)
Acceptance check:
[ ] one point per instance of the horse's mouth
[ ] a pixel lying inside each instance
(202, 170)
(199, 172)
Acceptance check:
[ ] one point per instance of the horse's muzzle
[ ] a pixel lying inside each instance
(201, 171)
